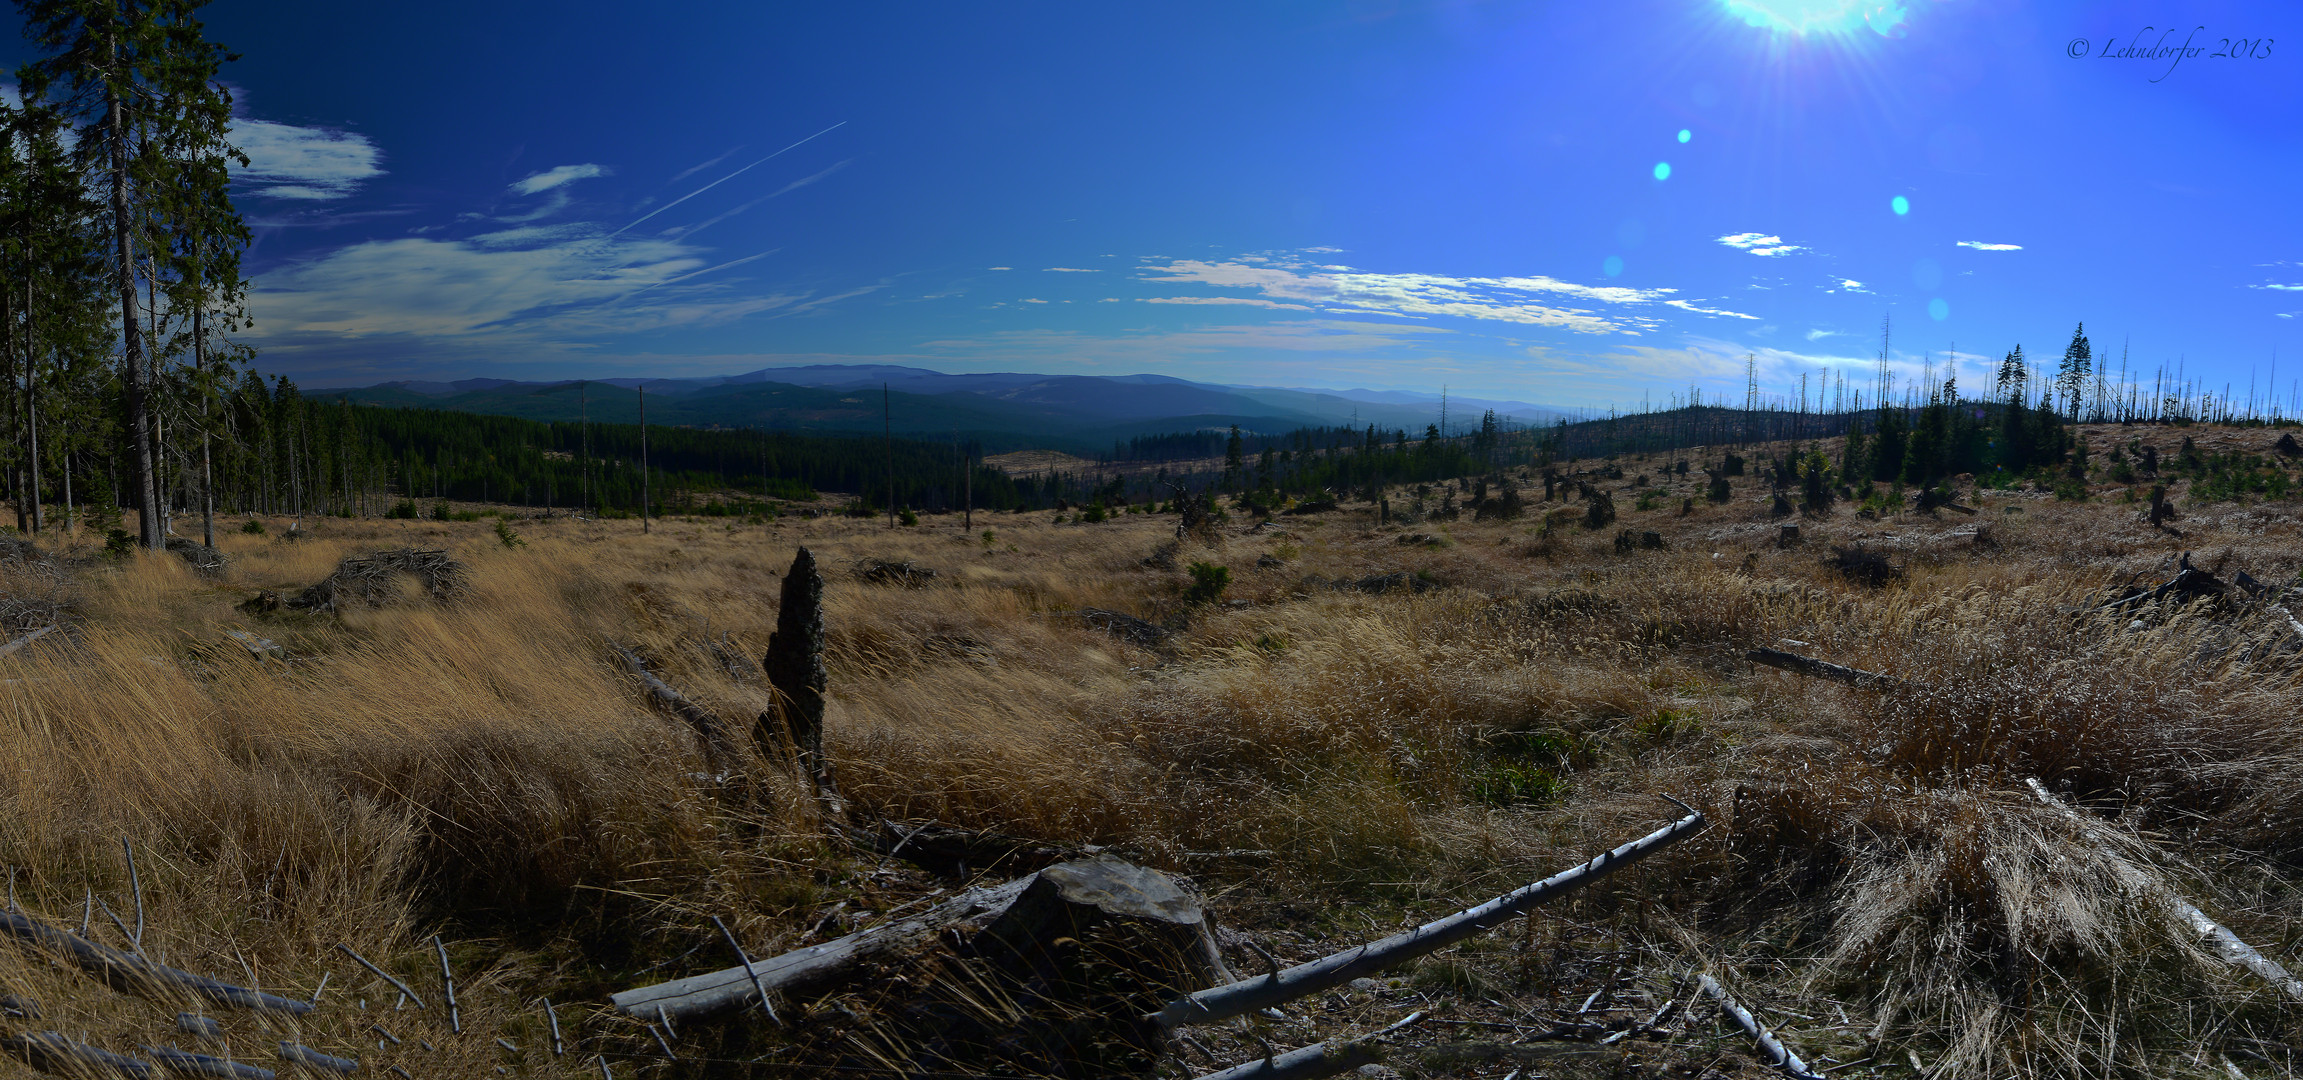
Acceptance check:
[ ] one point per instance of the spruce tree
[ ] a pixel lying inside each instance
(2071, 378)
(123, 69)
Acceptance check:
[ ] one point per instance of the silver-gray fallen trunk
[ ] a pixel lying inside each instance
(27, 639)
(1822, 669)
(135, 974)
(1249, 995)
(52, 1052)
(1771, 1049)
(815, 965)
(707, 726)
(2219, 939)
(1318, 1059)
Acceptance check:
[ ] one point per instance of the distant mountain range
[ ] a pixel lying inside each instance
(1005, 410)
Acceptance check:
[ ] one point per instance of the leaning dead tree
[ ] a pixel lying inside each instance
(795, 668)
(1224, 1002)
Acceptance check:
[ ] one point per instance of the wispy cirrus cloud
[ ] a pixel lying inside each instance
(1761, 244)
(1532, 301)
(287, 161)
(1241, 301)
(2278, 287)
(556, 177)
(1981, 246)
(1069, 270)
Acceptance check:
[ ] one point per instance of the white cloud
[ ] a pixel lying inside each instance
(1523, 300)
(286, 161)
(1068, 270)
(556, 176)
(1848, 285)
(1248, 301)
(2277, 286)
(1981, 246)
(1818, 335)
(1689, 305)
(1761, 244)
(999, 268)
(558, 283)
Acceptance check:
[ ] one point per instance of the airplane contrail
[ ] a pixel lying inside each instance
(721, 180)
(696, 273)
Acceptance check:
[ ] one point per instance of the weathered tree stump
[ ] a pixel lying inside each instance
(795, 668)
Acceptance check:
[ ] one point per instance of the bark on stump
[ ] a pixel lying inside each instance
(795, 667)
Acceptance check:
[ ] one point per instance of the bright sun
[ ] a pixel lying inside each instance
(1819, 16)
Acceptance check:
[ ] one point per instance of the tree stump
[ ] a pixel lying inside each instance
(1088, 950)
(795, 668)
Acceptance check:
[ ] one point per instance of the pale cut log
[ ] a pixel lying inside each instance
(51, 1052)
(1771, 1049)
(707, 726)
(815, 965)
(1318, 1059)
(135, 974)
(1821, 669)
(27, 639)
(1224, 1002)
(2226, 945)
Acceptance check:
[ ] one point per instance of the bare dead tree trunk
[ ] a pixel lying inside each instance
(141, 476)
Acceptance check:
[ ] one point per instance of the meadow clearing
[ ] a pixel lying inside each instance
(1368, 725)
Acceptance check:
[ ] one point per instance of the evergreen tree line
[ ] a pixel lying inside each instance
(278, 451)
(120, 282)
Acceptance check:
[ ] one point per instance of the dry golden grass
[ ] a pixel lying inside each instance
(1327, 763)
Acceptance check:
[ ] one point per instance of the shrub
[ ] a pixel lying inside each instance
(405, 510)
(1506, 784)
(442, 512)
(252, 527)
(118, 543)
(908, 518)
(1208, 581)
(505, 535)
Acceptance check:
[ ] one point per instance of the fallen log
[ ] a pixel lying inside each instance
(813, 966)
(135, 974)
(2226, 945)
(706, 725)
(1771, 1048)
(51, 1052)
(298, 1054)
(1821, 669)
(1318, 1059)
(187, 1063)
(1224, 1002)
(27, 639)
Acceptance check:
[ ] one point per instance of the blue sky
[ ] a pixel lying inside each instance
(1395, 195)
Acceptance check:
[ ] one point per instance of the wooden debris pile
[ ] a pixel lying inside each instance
(886, 572)
(207, 560)
(373, 580)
